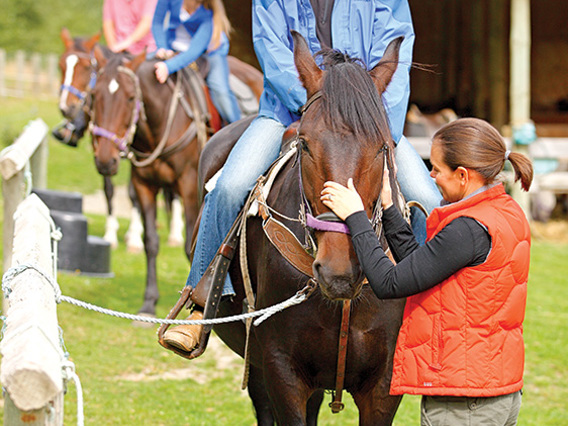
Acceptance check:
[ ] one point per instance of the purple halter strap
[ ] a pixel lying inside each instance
(121, 143)
(328, 221)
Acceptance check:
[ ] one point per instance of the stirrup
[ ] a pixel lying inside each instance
(174, 312)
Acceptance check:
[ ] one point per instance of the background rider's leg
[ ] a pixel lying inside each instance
(253, 153)
(417, 185)
(221, 94)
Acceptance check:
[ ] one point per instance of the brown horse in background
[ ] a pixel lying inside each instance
(343, 134)
(161, 128)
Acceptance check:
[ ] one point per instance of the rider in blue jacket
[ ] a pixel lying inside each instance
(362, 29)
(196, 27)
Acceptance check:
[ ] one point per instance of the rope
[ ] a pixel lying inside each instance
(263, 314)
(69, 374)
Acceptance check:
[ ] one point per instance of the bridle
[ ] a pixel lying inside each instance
(83, 96)
(138, 113)
(123, 143)
(327, 221)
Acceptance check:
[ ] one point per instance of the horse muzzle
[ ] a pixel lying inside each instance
(338, 285)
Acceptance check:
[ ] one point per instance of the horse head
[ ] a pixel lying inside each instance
(77, 79)
(117, 106)
(343, 133)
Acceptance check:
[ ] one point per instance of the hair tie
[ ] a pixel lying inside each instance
(507, 154)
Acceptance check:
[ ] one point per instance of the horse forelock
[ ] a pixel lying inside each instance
(350, 99)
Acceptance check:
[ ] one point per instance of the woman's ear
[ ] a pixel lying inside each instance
(463, 174)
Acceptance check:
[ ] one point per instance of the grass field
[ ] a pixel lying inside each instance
(128, 379)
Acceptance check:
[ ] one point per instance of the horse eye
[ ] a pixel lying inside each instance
(304, 145)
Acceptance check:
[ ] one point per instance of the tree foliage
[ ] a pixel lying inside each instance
(34, 26)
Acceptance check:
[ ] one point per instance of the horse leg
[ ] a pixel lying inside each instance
(187, 188)
(376, 406)
(175, 213)
(259, 397)
(313, 408)
(288, 393)
(147, 198)
(111, 227)
(133, 236)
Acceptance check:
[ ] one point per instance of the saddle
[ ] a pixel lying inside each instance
(207, 293)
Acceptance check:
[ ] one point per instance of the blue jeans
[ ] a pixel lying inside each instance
(251, 156)
(416, 185)
(218, 82)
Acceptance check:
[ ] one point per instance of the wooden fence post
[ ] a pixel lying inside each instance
(12, 163)
(31, 369)
(3, 91)
(20, 73)
(52, 74)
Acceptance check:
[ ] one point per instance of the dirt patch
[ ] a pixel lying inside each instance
(224, 358)
(553, 231)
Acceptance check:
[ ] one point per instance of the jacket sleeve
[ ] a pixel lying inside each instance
(199, 42)
(392, 20)
(274, 50)
(462, 243)
(158, 30)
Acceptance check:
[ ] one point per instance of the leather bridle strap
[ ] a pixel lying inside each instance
(336, 405)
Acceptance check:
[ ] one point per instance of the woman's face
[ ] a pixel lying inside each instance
(449, 181)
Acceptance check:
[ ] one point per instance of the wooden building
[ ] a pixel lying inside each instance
(468, 43)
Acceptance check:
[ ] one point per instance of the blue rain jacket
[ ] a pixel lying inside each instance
(360, 28)
(199, 26)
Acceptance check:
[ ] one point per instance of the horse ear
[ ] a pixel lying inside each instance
(100, 57)
(137, 61)
(90, 43)
(382, 72)
(310, 73)
(66, 38)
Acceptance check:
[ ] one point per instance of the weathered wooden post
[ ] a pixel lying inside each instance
(520, 91)
(3, 91)
(31, 370)
(30, 147)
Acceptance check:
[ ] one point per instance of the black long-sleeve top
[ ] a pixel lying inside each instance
(461, 243)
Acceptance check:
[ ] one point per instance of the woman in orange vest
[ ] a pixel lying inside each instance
(461, 340)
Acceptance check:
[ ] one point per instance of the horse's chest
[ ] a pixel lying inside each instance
(159, 172)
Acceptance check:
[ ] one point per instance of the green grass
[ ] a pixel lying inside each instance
(128, 379)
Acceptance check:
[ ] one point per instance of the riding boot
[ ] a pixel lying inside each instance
(185, 336)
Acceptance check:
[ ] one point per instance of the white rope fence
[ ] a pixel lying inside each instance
(263, 314)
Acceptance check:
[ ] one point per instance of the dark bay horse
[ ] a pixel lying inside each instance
(160, 128)
(343, 134)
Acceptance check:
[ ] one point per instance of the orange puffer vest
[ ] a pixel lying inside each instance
(464, 336)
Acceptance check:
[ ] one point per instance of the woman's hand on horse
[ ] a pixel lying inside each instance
(386, 193)
(162, 72)
(343, 201)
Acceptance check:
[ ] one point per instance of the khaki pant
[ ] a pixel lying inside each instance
(500, 410)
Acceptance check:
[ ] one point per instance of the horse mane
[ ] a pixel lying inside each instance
(351, 101)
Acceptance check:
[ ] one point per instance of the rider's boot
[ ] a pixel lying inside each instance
(186, 336)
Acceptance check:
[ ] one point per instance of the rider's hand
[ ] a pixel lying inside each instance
(120, 46)
(343, 201)
(161, 70)
(162, 53)
(386, 192)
